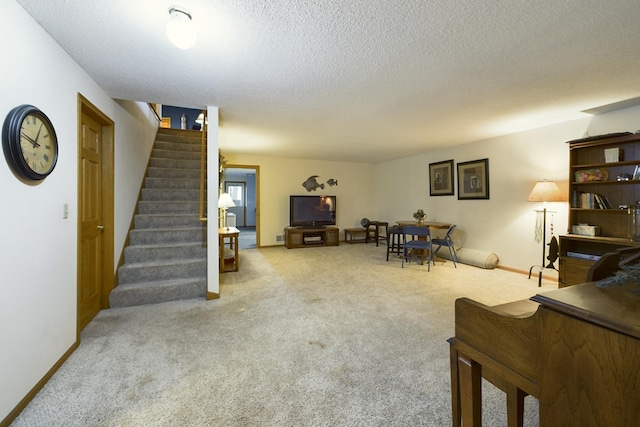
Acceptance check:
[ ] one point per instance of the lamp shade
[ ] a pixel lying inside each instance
(225, 201)
(546, 191)
(180, 29)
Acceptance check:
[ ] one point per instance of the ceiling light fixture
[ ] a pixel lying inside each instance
(180, 29)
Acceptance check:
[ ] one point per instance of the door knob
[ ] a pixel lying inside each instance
(101, 227)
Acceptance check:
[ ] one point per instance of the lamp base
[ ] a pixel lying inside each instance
(224, 219)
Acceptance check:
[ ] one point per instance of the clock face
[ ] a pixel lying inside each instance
(29, 142)
(38, 146)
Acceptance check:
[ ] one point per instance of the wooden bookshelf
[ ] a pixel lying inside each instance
(608, 212)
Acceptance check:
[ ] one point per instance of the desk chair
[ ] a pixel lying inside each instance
(448, 242)
(417, 238)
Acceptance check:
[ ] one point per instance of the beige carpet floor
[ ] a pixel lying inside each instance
(331, 336)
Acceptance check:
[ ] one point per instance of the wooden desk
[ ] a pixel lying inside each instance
(577, 353)
(231, 233)
(589, 353)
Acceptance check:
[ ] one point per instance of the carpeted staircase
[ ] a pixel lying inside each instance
(166, 257)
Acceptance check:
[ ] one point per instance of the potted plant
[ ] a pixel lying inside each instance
(420, 216)
(221, 169)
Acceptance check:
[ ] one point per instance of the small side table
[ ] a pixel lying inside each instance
(355, 235)
(232, 234)
(374, 227)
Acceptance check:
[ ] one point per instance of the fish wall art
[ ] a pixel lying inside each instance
(312, 184)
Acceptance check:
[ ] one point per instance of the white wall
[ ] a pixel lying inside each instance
(505, 223)
(37, 246)
(281, 177)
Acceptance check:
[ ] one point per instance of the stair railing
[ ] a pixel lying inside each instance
(203, 170)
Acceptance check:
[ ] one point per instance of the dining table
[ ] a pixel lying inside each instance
(430, 224)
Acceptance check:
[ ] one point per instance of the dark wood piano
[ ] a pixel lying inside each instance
(575, 349)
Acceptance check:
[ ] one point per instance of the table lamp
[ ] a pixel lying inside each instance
(225, 202)
(202, 121)
(544, 191)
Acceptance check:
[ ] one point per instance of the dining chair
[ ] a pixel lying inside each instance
(417, 238)
(448, 242)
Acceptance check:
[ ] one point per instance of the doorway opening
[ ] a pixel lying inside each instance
(242, 182)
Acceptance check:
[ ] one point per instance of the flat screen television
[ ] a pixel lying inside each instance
(312, 211)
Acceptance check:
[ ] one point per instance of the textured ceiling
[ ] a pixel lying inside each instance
(360, 80)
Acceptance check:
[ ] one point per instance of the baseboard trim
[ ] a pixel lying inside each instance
(212, 295)
(34, 391)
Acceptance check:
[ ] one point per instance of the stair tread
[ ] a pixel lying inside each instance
(169, 215)
(165, 167)
(168, 229)
(165, 245)
(164, 262)
(169, 201)
(158, 178)
(179, 190)
(161, 283)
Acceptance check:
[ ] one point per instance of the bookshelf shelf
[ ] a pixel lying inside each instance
(602, 211)
(630, 182)
(604, 165)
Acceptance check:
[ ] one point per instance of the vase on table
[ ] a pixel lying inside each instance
(421, 221)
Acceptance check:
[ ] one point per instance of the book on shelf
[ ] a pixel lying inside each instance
(584, 200)
(581, 255)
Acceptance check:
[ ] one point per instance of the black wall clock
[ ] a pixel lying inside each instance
(29, 142)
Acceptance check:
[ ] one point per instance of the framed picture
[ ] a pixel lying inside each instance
(473, 180)
(441, 178)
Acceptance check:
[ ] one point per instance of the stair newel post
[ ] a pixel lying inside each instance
(203, 169)
(221, 174)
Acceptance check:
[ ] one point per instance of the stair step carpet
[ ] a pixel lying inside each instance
(166, 259)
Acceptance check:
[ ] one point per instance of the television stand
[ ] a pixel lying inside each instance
(311, 237)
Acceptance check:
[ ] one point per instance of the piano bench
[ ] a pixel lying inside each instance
(471, 361)
(517, 309)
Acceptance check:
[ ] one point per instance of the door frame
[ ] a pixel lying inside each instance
(107, 199)
(256, 168)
